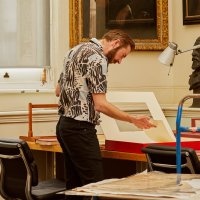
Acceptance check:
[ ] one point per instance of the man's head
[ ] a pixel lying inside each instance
(196, 56)
(117, 45)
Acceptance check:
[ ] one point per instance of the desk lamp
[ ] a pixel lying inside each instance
(168, 55)
(167, 58)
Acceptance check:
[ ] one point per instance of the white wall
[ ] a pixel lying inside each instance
(141, 71)
(185, 36)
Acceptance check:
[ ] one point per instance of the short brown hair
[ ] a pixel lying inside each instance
(115, 34)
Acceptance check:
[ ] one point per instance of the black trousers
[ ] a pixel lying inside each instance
(83, 162)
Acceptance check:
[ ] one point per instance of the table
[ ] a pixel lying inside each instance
(105, 153)
(151, 186)
(49, 160)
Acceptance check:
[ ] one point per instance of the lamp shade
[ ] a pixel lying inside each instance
(167, 56)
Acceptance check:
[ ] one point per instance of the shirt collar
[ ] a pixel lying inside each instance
(97, 42)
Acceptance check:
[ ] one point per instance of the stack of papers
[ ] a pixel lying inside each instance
(153, 185)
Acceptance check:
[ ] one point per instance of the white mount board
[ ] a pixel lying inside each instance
(162, 133)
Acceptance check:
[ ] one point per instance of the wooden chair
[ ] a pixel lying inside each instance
(30, 136)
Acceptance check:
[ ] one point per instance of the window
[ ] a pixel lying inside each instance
(24, 40)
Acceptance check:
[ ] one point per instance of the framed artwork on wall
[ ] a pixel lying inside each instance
(191, 12)
(122, 14)
(145, 21)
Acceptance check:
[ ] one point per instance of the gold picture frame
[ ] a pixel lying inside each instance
(80, 12)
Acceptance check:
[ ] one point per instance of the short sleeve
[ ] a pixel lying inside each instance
(97, 76)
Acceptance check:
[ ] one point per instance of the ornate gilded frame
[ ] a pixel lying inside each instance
(160, 43)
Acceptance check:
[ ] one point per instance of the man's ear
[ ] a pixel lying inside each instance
(115, 43)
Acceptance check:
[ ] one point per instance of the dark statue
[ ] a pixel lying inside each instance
(194, 80)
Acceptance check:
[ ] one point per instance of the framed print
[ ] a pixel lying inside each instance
(191, 12)
(122, 14)
(146, 21)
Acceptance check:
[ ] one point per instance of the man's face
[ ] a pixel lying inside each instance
(196, 59)
(117, 54)
(196, 55)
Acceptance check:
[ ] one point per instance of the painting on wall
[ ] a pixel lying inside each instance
(145, 21)
(120, 14)
(191, 12)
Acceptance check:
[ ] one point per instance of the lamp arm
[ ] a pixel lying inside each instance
(194, 47)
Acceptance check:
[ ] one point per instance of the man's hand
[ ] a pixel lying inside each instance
(142, 122)
(103, 106)
(57, 90)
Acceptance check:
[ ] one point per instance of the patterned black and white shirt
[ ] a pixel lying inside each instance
(84, 73)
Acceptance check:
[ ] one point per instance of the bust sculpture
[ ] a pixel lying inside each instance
(194, 80)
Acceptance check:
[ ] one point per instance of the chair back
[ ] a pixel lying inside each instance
(163, 158)
(18, 169)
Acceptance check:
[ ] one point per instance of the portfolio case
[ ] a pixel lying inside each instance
(132, 147)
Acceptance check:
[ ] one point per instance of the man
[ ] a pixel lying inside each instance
(83, 88)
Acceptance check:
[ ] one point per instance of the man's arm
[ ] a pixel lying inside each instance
(57, 90)
(103, 106)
